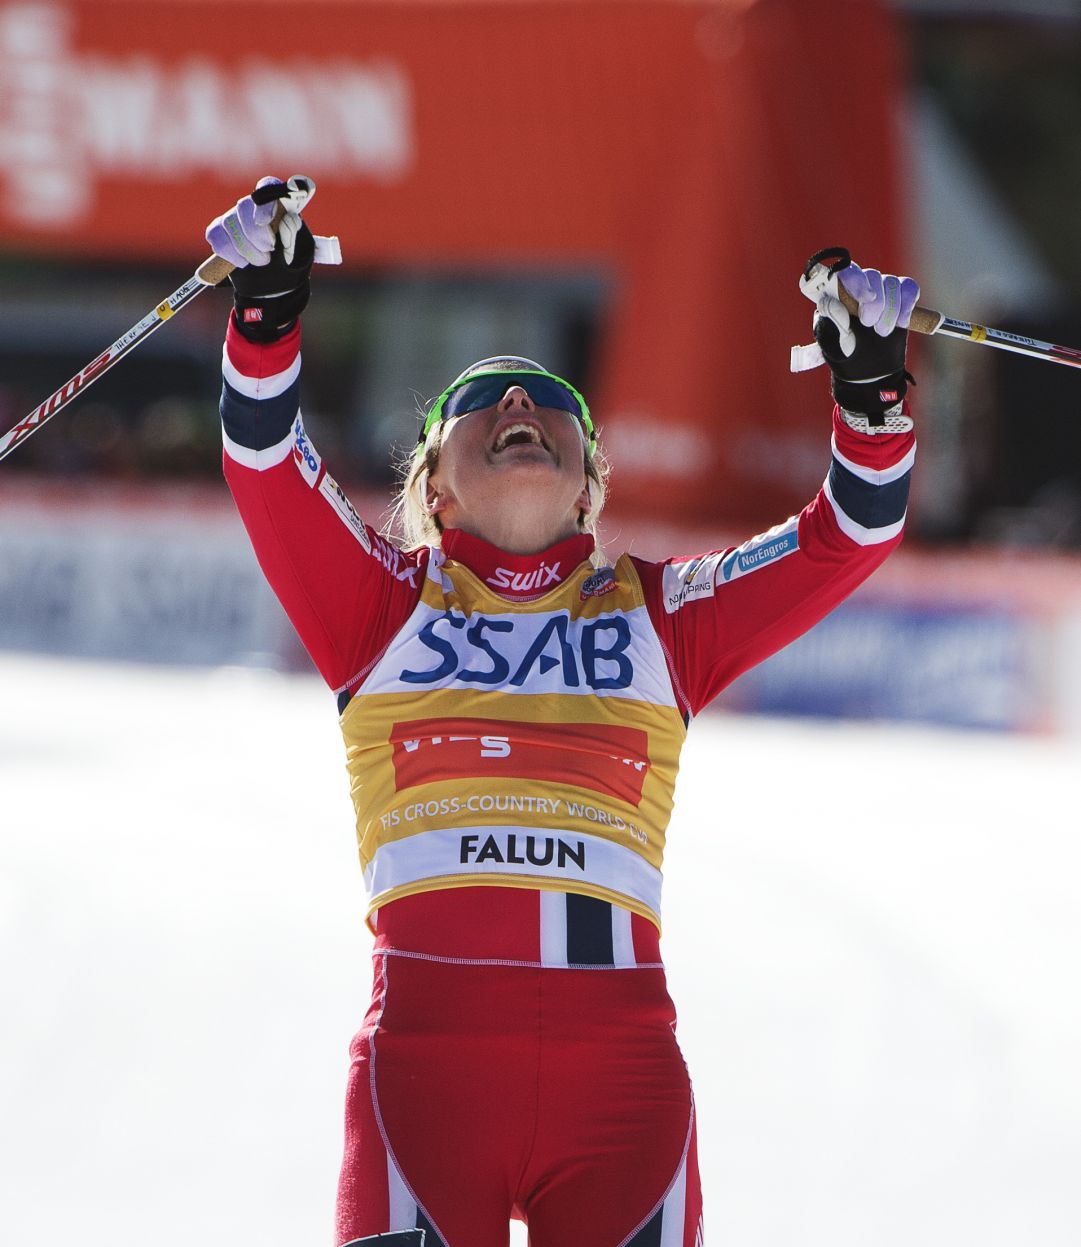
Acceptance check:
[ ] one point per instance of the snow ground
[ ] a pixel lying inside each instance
(873, 936)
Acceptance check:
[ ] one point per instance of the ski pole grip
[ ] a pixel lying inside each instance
(214, 269)
(923, 319)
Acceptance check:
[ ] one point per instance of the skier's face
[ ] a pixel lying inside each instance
(513, 462)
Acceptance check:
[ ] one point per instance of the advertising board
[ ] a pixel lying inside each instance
(677, 149)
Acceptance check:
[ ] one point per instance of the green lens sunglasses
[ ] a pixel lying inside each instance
(486, 387)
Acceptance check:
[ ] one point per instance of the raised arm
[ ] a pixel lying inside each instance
(722, 612)
(345, 588)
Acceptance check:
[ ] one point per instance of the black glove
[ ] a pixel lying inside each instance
(267, 300)
(865, 351)
(272, 250)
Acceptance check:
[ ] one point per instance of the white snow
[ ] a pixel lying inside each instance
(873, 936)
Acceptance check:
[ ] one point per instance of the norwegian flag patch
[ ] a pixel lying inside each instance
(888, 396)
(252, 313)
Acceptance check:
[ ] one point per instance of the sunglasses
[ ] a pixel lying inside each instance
(485, 389)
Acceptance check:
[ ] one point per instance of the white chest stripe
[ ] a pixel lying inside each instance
(553, 929)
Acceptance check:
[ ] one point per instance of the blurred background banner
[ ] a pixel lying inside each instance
(648, 140)
(624, 189)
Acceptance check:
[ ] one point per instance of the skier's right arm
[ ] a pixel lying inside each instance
(345, 589)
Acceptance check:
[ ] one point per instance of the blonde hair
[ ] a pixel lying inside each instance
(411, 518)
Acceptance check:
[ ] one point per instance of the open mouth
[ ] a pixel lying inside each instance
(518, 434)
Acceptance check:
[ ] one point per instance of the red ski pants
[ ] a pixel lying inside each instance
(483, 1092)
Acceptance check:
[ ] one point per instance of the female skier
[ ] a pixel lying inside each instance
(513, 708)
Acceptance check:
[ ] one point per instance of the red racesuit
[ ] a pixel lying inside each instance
(512, 726)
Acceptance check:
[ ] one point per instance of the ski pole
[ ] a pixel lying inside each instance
(212, 270)
(927, 320)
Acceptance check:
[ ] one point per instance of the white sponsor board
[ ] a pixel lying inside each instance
(156, 585)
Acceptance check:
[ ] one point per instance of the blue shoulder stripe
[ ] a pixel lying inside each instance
(258, 423)
(871, 506)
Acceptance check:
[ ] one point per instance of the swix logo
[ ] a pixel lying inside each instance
(518, 849)
(606, 758)
(601, 582)
(305, 454)
(252, 314)
(525, 582)
(392, 560)
(68, 390)
(520, 652)
(888, 396)
(70, 114)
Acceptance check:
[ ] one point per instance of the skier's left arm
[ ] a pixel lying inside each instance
(720, 613)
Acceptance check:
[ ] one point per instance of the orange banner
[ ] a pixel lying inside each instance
(698, 150)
